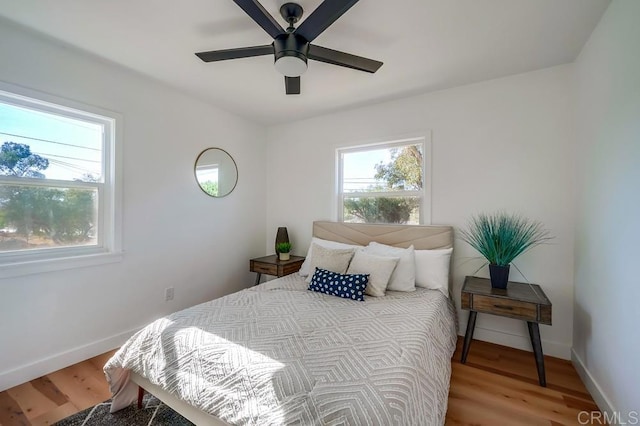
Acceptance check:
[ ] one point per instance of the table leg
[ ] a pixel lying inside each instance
(258, 276)
(534, 333)
(471, 325)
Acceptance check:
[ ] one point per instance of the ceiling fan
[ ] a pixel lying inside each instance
(292, 47)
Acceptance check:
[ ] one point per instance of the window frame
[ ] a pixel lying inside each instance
(424, 138)
(108, 247)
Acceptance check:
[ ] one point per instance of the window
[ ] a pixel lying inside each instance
(384, 183)
(57, 181)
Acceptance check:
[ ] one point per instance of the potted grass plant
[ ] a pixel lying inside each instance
(500, 238)
(284, 250)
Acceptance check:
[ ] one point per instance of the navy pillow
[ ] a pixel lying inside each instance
(349, 286)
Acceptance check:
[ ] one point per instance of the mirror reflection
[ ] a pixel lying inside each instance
(216, 172)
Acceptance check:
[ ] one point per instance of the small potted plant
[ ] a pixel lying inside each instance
(500, 238)
(284, 250)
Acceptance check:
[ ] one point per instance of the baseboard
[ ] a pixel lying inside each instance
(594, 389)
(25, 373)
(555, 349)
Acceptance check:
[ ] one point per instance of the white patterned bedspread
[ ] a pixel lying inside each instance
(279, 354)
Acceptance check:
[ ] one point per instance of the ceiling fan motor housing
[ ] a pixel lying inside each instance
(290, 45)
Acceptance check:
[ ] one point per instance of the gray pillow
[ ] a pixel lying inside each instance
(379, 269)
(334, 260)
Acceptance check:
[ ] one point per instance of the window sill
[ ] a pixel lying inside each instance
(57, 264)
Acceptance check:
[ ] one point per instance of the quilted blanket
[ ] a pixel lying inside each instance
(279, 354)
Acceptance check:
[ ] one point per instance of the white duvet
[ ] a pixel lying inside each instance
(279, 354)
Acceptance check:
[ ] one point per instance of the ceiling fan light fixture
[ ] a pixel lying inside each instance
(290, 54)
(291, 65)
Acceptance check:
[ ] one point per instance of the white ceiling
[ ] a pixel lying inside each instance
(425, 45)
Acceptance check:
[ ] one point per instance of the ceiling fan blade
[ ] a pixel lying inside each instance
(292, 85)
(241, 52)
(258, 13)
(343, 59)
(324, 15)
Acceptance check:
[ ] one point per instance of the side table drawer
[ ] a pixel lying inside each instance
(291, 268)
(511, 308)
(263, 268)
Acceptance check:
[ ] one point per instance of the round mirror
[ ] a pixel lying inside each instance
(216, 172)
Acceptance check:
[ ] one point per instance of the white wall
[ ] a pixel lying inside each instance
(502, 144)
(174, 235)
(606, 314)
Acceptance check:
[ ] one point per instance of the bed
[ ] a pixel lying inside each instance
(279, 354)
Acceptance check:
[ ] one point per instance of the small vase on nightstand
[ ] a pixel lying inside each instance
(284, 256)
(282, 236)
(283, 250)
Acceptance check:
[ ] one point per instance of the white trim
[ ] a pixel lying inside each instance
(109, 190)
(58, 264)
(30, 99)
(359, 194)
(389, 143)
(338, 209)
(51, 183)
(601, 400)
(425, 212)
(27, 372)
(115, 163)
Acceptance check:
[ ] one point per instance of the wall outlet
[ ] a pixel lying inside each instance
(168, 294)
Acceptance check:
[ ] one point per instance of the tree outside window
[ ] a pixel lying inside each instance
(38, 216)
(382, 184)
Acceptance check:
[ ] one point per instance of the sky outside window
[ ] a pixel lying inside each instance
(73, 147)
(359, 169)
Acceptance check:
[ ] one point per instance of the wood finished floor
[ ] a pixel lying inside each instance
(497, 386)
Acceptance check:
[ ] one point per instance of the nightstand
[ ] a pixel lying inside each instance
(271, 265)
(521, 301)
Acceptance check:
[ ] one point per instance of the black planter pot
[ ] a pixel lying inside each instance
(499, 276)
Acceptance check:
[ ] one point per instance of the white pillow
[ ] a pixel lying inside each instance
(404, 276)
(432, 269)
(305, 269)
(379, 269)
(334, 260)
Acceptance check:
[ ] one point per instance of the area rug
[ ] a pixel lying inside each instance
(152, 413)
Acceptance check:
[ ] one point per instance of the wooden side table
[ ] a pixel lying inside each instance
(522, 301)
(271, 265)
